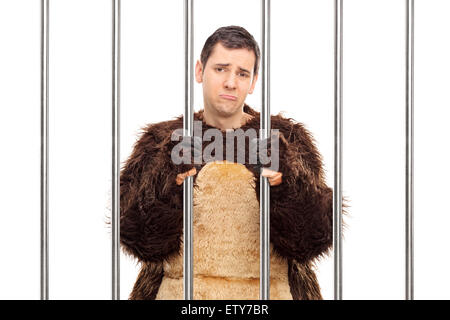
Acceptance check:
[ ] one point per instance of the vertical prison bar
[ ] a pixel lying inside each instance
(409, 166)
(264, 226)
(188, 119)
(44, 148)
(337, 196)
(115, 214)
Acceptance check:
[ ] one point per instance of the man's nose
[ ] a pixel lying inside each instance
(230, 82)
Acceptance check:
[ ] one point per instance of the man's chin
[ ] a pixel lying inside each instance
(226, 110)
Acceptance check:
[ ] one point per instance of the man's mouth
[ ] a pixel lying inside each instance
(228, 97)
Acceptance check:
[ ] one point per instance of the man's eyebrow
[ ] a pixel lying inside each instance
(227, 65)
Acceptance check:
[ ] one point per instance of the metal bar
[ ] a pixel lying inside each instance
(188, 269)
(337, 196)
(115, 215)
(409, 187)
(265, 133)
(44, 148)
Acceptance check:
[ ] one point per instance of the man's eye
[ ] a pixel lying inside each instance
(244, 74)
(219, 69)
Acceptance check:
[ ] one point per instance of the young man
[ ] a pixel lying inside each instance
(228, 78)
(226, 194)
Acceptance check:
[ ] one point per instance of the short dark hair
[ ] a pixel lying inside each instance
(231, 37)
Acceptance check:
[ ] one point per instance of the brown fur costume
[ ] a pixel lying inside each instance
(226, 218)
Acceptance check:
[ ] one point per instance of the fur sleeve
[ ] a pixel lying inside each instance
(151, 203)
(302, 205)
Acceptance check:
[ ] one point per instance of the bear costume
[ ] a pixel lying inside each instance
(225, 217)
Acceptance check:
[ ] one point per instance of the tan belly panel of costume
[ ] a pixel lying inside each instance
(226, 240)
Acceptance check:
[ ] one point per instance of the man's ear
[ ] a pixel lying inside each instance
(198, 72)
(252, 87)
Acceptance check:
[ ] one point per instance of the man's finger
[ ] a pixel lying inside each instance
(274, 177)
(192, 172)
(181, 176)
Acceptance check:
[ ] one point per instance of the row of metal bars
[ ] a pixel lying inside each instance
(265, 127)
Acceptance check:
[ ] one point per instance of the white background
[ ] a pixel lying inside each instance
(152, 91)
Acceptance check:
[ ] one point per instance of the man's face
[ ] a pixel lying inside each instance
(227, 79)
